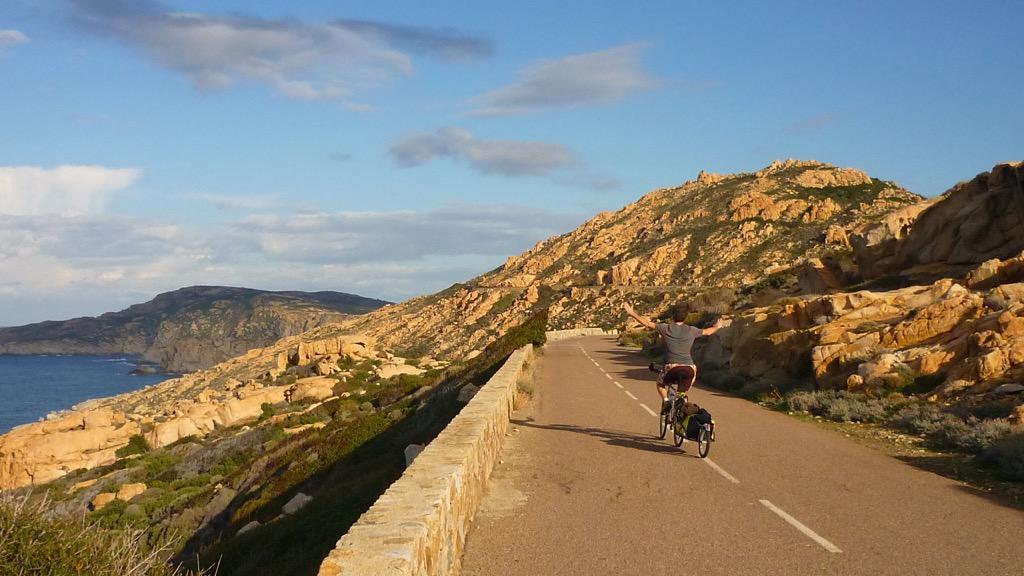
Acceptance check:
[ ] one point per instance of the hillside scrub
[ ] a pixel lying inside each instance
(994, 440)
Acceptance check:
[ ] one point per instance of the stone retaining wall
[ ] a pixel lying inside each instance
(556, 335)
(418, 526)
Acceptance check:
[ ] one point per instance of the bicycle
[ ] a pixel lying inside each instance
(703, 432)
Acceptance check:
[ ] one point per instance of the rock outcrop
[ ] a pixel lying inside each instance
(962, 334)
(233, 393)
(975, 221)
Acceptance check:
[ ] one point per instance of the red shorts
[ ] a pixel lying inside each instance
(682, 375)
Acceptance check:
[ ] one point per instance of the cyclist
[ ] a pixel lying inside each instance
(678, 337)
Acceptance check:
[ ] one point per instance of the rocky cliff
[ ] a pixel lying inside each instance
(190, 328)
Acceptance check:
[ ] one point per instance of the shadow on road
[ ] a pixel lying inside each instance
(610, 437)
(980, 482)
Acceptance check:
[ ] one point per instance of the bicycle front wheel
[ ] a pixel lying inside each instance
(663, 424)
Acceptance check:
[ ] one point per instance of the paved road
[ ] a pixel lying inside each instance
(586, 488)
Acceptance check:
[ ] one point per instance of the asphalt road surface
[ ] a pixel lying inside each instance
(585, 487)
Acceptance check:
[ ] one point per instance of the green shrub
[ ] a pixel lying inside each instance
(972, 436)
(136, 445)
(837, 405)
(920, 418)
(1008, 453)
(268, 411)
(156, 465)
(637, 338)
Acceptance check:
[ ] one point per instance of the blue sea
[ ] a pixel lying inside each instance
(32, 386)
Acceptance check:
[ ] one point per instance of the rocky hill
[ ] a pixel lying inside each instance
(190, 328)
(710, 238)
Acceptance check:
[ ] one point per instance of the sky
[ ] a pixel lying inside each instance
(392, 149)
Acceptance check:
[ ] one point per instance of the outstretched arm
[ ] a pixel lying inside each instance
(646, 322)
(718, 325)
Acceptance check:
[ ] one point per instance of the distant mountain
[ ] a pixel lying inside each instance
(191, 328)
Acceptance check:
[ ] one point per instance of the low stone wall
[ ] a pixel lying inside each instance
(556, 335)
(418, 526)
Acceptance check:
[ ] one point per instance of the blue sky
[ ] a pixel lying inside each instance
(390, 150)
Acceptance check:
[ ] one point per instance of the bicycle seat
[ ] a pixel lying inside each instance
(681, 375)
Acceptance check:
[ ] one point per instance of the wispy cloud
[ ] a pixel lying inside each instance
(235, 202)
(10, 38)
(322, 61)
(502, 157)
(445, 43)
(65, 190)
(507, 157)
(577, 80)
(811, 124)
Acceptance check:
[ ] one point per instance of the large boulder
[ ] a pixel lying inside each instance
(970, 223)
(129, 491)
(389, 370)
(39, 454)
(315, 387)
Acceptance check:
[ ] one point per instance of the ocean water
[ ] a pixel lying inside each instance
(32, 386)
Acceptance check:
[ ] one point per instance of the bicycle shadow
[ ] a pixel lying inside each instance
(610, 437)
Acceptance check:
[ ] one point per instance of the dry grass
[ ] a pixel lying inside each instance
(33, 543)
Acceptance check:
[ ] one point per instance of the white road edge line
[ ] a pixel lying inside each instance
(719, 469)
(799, 526)
(630, 394)
(649, 411)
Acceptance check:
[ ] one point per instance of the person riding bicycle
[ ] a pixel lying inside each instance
(678, 337)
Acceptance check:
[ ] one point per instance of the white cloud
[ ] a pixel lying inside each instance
(577, 80)
(324, 61)
(66, 190)
(93, 263)
(10, 38)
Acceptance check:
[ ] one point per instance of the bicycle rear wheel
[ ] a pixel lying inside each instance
(703, 441)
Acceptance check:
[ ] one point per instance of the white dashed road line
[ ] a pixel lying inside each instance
(644, 406)
(719, 469)
(801, 527)
(630, 394)
(617, 384)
